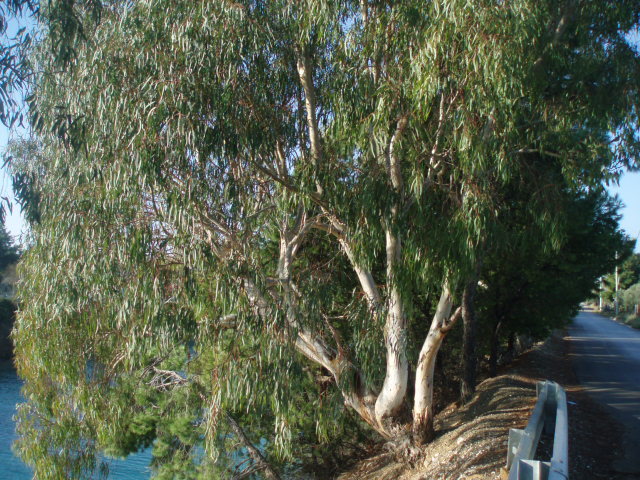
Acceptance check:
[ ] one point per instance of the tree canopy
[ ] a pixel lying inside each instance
(530, 289)
(269, 208)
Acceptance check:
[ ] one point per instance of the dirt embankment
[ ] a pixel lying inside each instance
(472, 439)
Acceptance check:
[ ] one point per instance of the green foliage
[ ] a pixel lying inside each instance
(631, 297)
(9, 255)
(531, 290)
(23, 156)
(175, 156)
(7, 319)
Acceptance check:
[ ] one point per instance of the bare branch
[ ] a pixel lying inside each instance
(393, 163)
(166, 379)
(337, 229)
(449, 324)
(259, 460)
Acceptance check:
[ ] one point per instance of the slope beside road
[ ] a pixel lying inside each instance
(606, 360)
(472, 438)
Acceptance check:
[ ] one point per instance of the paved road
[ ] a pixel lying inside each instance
(606, 359)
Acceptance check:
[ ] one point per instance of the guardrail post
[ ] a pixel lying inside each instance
(515, 435)
(532, 470)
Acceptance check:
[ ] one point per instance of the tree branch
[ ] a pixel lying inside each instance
(254, 453)
(448, 325)
(305, 72)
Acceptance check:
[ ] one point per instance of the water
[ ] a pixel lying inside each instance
(133, 468)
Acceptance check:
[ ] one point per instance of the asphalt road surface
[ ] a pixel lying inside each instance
(606, 359)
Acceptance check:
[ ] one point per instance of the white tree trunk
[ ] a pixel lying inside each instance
(364, 276)
(423, 397)
(394, 388)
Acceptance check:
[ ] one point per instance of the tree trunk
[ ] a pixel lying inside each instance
(493, 355)
(511, 345)
(394, 388)
(423, 431)
(422, 428)
(469, 340)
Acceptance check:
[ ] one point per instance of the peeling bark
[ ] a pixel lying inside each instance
(394, 388)
(441, 323)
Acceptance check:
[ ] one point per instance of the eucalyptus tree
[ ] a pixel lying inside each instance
(244, 205)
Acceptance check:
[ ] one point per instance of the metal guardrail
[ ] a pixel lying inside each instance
(550, 413)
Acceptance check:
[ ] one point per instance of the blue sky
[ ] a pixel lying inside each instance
(629, 193)
(14, 222)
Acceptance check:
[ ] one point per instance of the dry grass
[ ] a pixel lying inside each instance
(472, 439)
(471, 442)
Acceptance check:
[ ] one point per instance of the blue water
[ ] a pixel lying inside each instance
(135, 467)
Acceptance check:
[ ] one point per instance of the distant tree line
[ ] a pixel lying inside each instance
(9, 256)
(627, 290)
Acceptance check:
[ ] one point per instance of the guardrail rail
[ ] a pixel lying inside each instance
(550, 413)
